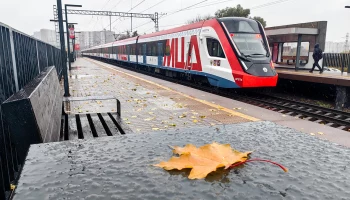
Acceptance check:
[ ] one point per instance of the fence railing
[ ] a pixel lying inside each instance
(337, 60)
(22, 58)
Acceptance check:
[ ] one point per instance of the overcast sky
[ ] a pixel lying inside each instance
(32, 15)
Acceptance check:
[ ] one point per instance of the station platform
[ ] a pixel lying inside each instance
(146, 106)
(331, 78)
(150, 104)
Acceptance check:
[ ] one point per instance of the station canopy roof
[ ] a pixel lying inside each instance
(292, 31)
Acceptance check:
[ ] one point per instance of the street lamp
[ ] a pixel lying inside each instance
(65, 8)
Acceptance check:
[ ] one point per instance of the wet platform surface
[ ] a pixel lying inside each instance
(121, 167)
(145, 106)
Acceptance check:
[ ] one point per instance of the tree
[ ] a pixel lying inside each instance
(124, 36)
(261, 20)
(134, 34)
(199, 18)
(237, 11)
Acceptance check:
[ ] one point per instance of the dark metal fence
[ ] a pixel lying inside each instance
(21, 60)
(337, 60)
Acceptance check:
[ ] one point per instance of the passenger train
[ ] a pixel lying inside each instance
(227, 52)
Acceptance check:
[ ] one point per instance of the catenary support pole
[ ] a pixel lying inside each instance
(63, 48)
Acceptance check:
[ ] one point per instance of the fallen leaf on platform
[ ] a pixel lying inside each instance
(134, 89)
(202, 117)
(221, 108)
(173, 125)
(155, 129)
(195, 121)
(320, 133)
(151, 113)
(212, 124)
(212, 110)
(193, 117)
(182, 116)
(312, 133)
(134, 116)
(204, 159)
(128, 122)
(149, 119)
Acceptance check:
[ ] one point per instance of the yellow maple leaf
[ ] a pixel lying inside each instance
(204, 159)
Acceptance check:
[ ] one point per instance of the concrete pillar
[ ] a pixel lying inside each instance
(342, 97)
(322, 32)
(297, 62)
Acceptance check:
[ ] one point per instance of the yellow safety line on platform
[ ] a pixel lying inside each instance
(232, 112)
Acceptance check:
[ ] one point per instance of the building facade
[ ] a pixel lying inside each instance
(46, 35)
(88, 39)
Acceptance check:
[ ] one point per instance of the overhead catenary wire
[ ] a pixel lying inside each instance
(127, 11)
(153, 6)
(212, 3)
(194, 7)
(172, 13)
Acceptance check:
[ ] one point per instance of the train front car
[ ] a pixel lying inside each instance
(238, 53)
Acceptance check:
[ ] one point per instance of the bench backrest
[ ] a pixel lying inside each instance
(34, 113)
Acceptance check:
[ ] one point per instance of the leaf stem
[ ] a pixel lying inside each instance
(259, 160)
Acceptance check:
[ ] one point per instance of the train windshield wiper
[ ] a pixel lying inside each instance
(255, 54)
(244, 57)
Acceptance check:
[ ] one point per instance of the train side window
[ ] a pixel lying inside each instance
(154, 49)
(149, 49)
(214, 48)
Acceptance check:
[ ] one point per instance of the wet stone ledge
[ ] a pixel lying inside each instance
(121, 167)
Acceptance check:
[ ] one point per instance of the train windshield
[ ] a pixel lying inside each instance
(246, 36)
(250, 44)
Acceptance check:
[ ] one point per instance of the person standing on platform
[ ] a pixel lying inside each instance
(317, 56)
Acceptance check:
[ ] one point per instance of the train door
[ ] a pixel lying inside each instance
(136, 52)
(160, 53)
(128, 52)
(144, 53)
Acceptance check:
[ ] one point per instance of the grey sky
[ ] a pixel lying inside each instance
(29, 16)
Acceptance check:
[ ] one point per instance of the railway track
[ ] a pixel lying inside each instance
(330, 117)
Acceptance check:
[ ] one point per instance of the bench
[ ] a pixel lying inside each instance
(303, 59)
(36, 114)
(92, 125)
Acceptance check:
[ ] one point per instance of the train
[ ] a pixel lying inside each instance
(229, 52)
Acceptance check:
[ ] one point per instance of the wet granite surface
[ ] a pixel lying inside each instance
(121, 167)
